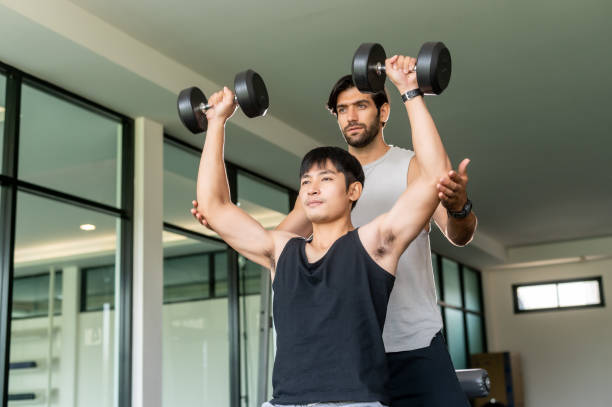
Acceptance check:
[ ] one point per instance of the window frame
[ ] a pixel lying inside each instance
(599, 279)
(11, 184)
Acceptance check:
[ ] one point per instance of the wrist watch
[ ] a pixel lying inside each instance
(411, 94)
(467, 208)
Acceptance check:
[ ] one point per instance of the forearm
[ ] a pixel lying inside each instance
(296, 222)
(460, 232)
(429, 150)
(212, 185)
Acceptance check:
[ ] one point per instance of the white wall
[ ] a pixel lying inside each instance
(566, 355)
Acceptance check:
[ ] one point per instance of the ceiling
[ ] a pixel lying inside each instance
(528, 100)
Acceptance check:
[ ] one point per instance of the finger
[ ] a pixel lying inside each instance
(214, 98)
(448, 183)
(445, 190)
(413, 63)
(453, 175)
(463, 166)
(228, 96)
(444, 199)
(194, 203)
(392, 60)
(399, 63)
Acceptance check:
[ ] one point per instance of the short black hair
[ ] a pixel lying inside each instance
(346, 82)
(344, 162)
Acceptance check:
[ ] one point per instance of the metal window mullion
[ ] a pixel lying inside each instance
(124, 370)
(464, 315)
(233, 303)
(485, 347)
(8, 196)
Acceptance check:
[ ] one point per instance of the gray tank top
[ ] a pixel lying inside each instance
(413, 316)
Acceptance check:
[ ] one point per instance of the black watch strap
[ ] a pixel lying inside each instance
(467, 208)
(411, 94)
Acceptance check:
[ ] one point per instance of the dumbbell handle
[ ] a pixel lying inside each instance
(205, 107)
(380, 68)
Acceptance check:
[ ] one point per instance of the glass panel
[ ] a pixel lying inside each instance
(537, 297)
(72, 354)
(195, 349)
(472, 289)
(31, 295)
(455, 337)
(434, 263)
(475, 333)
(221, 274)
(187, 276)
(452, 285)
(66, 147)
(577, 293)
(265, 202)
(180, 176)
(268, 204)
(99, 285)
(2, 114)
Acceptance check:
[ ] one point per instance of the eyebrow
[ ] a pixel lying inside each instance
(322, 172)
(354, 103)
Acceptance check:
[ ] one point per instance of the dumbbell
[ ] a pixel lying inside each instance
(433, 68)
(250, 94)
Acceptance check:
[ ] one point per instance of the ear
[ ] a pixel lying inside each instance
(354, 191)
(385, 112)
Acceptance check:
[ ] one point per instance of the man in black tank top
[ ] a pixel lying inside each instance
(331, 291)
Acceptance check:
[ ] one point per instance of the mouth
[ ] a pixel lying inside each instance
(314, 203)
(353, 128)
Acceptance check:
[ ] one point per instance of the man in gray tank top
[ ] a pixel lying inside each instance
(421, 370)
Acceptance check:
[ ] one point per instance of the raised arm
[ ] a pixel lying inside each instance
(235, 226)
(393, 231)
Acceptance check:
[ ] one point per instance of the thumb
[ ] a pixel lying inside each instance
(227, 95)
(463, 166)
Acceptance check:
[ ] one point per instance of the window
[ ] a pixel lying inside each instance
(460, 299)
(71, 216)
(98, 288)
(64, 145)
(31, 295)
(558, 295)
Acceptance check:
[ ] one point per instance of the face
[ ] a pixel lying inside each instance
(358, 117)
(324, 195)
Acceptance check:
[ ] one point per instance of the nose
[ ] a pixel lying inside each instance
(313, 188)
(352, 114)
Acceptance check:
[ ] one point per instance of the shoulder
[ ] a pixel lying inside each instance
(402, 152)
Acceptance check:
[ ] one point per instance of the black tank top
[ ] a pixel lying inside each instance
(329, 317)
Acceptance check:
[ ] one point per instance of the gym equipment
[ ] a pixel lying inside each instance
(250, 94)
(474, 382)
(433, 68)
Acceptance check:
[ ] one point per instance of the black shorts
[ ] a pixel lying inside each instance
(424, 378)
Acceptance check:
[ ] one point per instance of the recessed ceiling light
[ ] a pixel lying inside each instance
(87, 227)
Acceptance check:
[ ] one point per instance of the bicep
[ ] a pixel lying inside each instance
(244, 234)
(410, 214)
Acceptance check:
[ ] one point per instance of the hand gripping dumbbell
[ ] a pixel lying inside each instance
(250, 94)
(433, 68)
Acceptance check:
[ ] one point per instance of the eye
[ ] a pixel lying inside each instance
(327, 178)
(341, 110)
(362, 106)
(305, 182)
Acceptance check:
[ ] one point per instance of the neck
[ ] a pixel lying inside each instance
(372, 152)
(325, 234)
